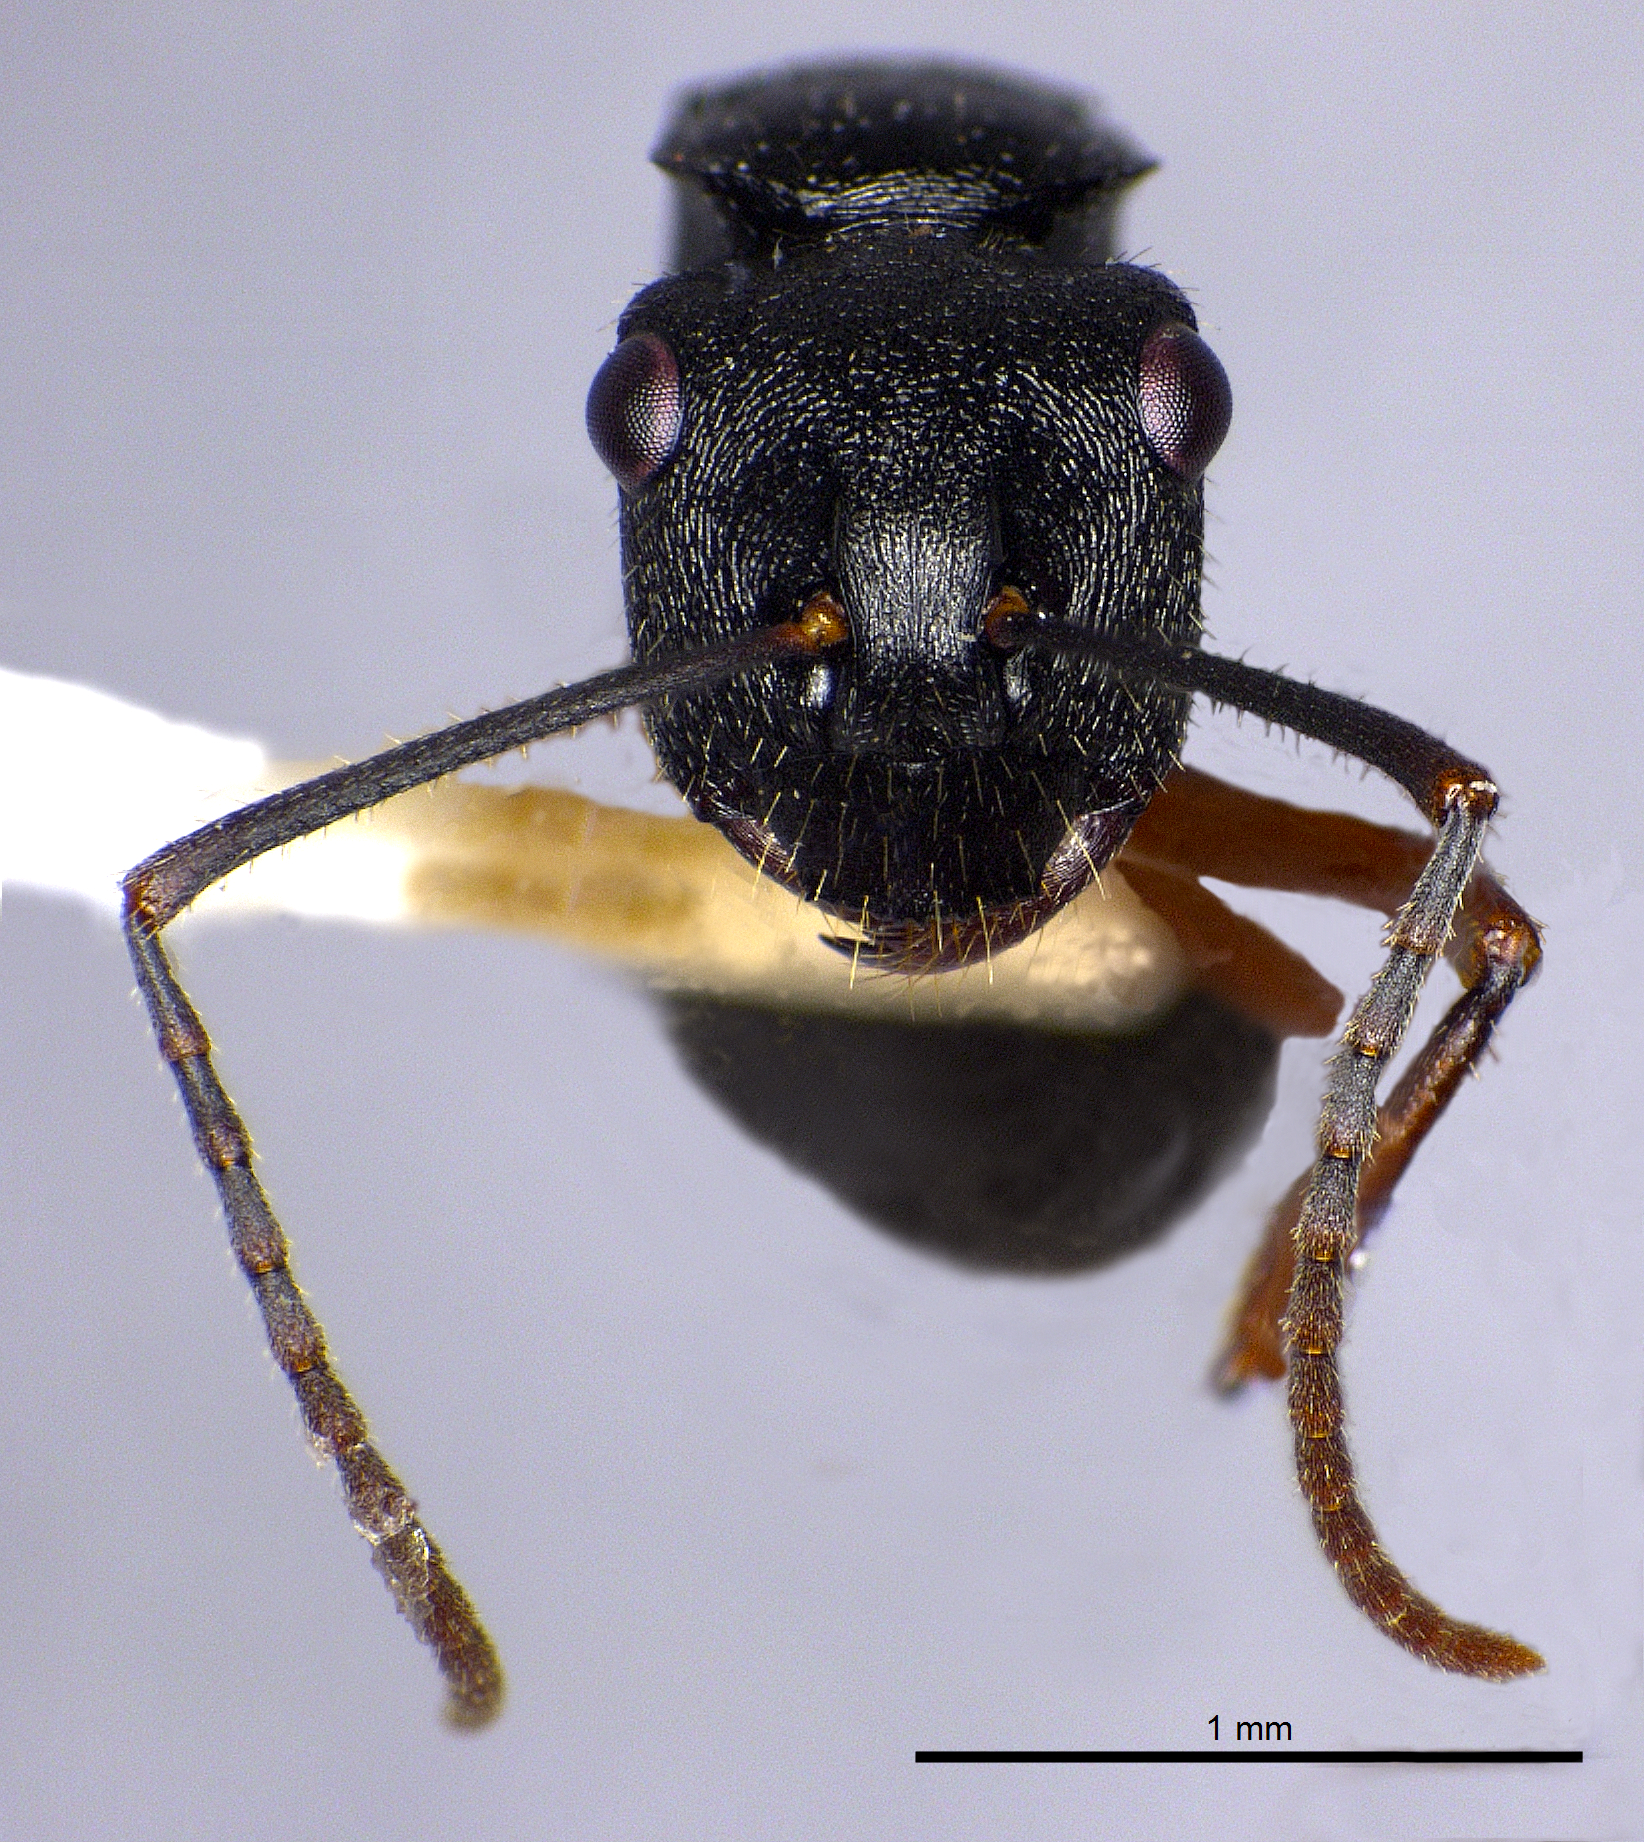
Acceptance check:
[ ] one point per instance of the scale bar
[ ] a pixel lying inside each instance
(1255, 1755)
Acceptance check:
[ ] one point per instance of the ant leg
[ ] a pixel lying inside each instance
(1219, 830)
(159, 889)
(1458, 798)
(1509, 948)
(1326, 1232)
(1232, 957)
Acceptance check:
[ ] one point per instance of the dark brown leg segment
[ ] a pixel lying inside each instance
(1458, 798)
(1326, 1233)
(1213, 829)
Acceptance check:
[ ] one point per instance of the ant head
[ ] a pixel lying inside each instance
(913, 427)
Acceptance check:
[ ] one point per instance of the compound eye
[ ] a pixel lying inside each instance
(634, 409)
(1186, 401)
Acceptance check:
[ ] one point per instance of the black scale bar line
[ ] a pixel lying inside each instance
(1256, 1755)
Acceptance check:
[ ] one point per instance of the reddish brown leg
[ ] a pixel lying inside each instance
(1458, 799)
(1234, 958)
(1209, 828)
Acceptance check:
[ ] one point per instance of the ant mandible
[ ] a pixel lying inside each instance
(912, 525)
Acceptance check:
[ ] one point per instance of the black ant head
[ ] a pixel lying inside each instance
(916, 427)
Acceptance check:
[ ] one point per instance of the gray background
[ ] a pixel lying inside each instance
(300, 304)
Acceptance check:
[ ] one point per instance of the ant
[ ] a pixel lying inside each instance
(912, 525)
